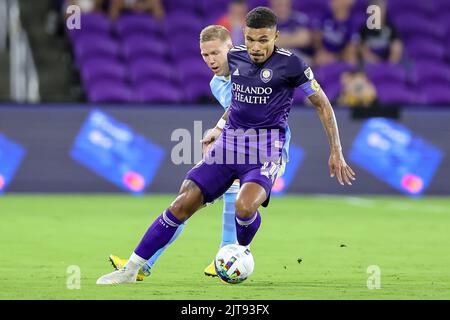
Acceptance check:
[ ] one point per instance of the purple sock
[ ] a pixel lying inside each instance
(246, 228)
(157, 235)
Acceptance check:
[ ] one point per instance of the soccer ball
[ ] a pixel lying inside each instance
(234, 263)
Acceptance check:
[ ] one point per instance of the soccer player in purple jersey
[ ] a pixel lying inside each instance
(263, 78)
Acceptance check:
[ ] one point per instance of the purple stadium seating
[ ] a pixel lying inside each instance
(436, 93)
(431, 71)
(162, 68)
(110, 91)
(91, 23)
(315, 9)
(99, 69)
(146, 68)
(422, 26)
(392, 93)
(257, 3)
(424, 48)
(96, 21)
(331, 89)
(213, 10)
(183, 23)
(181, 47)
(420, 7)
(136, 46)
(193, 68)
(191, 6)
(196, 88)
(331, 71)
(132, 24)
(95, 45)
(379, 72)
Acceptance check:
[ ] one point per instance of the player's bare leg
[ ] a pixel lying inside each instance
(188, 201)
(248, 219)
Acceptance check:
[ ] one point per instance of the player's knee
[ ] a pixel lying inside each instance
(185, 205)
(244, 209)
(178, 209)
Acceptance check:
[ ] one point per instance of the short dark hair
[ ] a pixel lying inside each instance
(261, 17)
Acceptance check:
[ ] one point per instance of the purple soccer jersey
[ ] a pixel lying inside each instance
(262, 95)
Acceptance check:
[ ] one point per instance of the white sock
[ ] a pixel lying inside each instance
(134, 263)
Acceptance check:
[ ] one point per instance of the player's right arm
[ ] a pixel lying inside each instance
(213, 134)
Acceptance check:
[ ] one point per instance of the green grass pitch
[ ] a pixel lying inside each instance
(336, 238)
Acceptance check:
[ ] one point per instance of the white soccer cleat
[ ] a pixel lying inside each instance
(120, 276)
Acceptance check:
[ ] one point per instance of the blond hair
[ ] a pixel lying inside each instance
(214, 32)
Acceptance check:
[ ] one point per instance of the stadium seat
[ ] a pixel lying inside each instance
(331, 71)
(332, 89)
(314, 9)
(181, 46)
(190, 6)
(91, 23)
(197, 88)
(310, 5)
(140, 45)
(99, 69)
(183, 23)
(380, 72)
(436, 93)
(431, 71)
(425, 48)
(90, 45)
(110, 91)
(158, 91)
(395, 93)
(147, 68)
(256, 3)
(422, 26)
(132, 24)
(406, 6)
(213, 10)
(96, 21)
(193, 67)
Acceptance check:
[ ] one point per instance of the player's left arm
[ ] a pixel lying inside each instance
(337, 165)
(299, 74)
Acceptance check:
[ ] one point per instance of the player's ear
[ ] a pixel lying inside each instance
(276, 35)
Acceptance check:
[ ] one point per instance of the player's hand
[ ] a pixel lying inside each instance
(340, 169)
(209, 139)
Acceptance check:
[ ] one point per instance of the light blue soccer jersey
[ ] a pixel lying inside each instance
(221, 89)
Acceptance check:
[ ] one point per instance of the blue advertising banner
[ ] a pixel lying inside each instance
(11, 155)
(114, 151)
(395, 155)
(296, 155)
